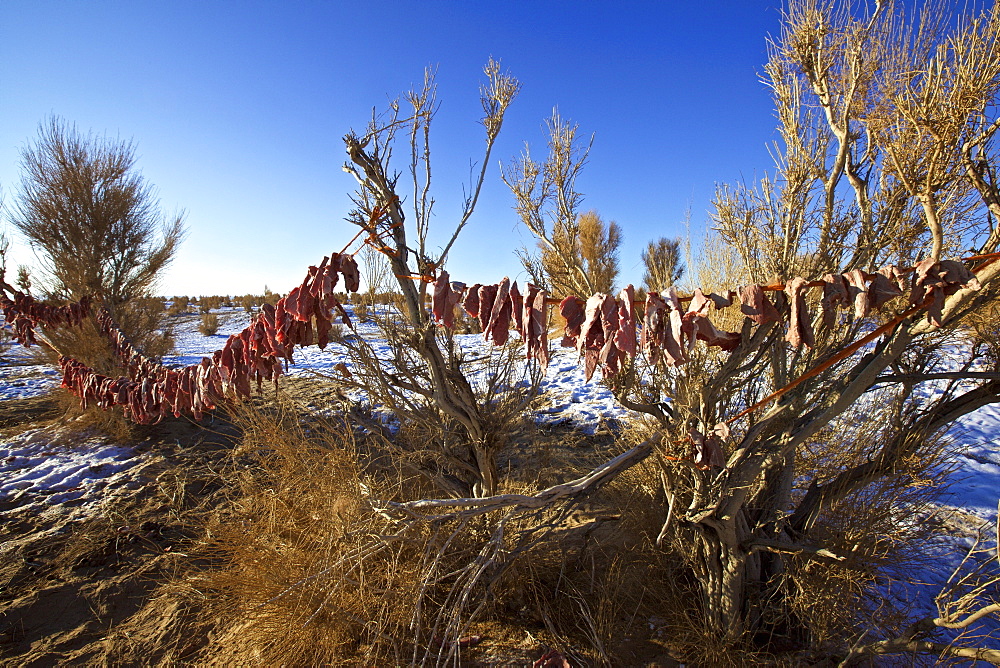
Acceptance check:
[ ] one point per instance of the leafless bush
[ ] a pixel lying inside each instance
(427, 383)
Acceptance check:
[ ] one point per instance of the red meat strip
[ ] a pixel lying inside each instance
(673, 336)
(721, 301)
(699, 302)
(699, 327)
(498, 328)
(884, 288)
(654, 326)
(487, 295)
(708, 449)
(471, 301)
(800, 331)
(572, 310)
(516, 309)
(897, 276)
(835, 294)
(938, 280)
(857, 288)
(352, 277)
(440, 299)
(756, 306)
(535, 326)
(454, 299)
(625, 336)
(601, 314)
(610, 355)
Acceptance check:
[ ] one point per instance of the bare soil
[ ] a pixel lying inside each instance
(69, 576)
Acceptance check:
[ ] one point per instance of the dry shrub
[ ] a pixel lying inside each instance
(209, 324)
(207, 303)
(305, 578)
(142, 320)
(79, 420)
(314, 570)
(360, 310)
(179, 306)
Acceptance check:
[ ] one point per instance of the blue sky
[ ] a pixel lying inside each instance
(238, 110)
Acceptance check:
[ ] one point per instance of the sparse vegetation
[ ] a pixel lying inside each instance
(407, 509)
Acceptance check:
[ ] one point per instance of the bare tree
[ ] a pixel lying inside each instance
(95, 224)
(662, 260)
(548, 204)
(428, 384)
(887, 157)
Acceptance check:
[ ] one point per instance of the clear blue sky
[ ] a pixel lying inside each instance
(238, 110)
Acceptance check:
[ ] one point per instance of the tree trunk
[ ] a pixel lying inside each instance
(721, 568)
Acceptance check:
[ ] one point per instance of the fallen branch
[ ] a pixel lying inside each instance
(470, 507)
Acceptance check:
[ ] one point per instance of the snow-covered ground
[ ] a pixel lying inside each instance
(19, 378)
(34, 463)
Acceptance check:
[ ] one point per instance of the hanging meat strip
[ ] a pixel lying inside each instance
(625, 336)
(835, 294)
(755, 305)
(883, 288)
(610, 355)
(654, 326)
(516, 309)
(708, 449)
(721, 301)
(938, 280)
(536, 335)
(440, 299)
(471, 301)
(857, 288)
(897, 276)
(673, 336)
(497, 329)
(352, 277)
(487, 295)
(572, 310)
(800, 331)
(600, 311)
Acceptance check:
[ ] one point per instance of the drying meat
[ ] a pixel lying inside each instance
(536, 328)
(723, 301)
(497, 329)
(887, 284)
(441, 298)
(699, 327)
(835, 294)
(800, 331)
(487, 295)
(471, 301)
(516, 309)
(756, 306)
(598, 328)
(858, 291)
(352, 277)
(937, 280)
(673, 335)
(572, 310)
(654, 326)
(625, 336)
(708, 449)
